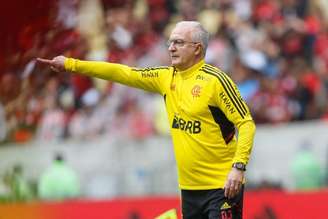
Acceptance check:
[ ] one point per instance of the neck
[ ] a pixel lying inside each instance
(191, 70)
(189, 65)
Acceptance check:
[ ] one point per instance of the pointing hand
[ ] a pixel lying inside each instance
(56, 64)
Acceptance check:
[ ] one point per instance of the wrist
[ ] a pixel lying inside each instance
(239, 166)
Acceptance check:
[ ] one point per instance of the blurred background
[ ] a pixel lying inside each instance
(69, 137)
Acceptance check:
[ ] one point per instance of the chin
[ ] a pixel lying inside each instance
(176, 66)
(175, 63)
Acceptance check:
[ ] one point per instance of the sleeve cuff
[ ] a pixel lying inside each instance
(70, 64)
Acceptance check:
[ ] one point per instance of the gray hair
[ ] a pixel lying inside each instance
(199, 34)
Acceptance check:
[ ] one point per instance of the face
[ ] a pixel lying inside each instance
(183, 51)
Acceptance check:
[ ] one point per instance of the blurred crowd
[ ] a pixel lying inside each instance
(275, 50)
(57, 182)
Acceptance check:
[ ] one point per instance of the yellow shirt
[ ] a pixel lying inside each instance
(204, 109)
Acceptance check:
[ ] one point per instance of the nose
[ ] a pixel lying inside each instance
(172, 47)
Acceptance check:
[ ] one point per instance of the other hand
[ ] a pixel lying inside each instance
(233, 183)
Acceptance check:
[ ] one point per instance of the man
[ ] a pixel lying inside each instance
(204, 107)
(59, 181)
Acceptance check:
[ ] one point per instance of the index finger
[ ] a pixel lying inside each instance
(227, 190)
(44, 61)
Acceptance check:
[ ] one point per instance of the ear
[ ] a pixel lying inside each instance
(198, 50)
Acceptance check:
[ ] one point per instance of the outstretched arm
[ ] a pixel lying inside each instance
(150, 79)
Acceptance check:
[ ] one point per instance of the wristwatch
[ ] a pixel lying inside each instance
(239, 166)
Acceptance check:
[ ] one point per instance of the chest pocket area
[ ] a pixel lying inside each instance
(195, 99)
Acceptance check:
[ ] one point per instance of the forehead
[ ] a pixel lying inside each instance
(181, 33)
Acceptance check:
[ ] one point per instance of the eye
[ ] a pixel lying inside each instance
(177, 42)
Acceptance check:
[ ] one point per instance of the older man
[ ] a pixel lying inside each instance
(204, 109)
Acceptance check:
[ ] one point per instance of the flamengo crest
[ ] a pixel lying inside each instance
(195, 91)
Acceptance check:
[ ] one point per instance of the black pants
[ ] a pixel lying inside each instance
(211, 204)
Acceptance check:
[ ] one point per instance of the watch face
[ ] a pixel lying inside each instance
(239, 166)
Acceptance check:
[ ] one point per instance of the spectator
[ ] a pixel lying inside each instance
(306, 169)
(19, 188)
(52, 125)
(59, 181)
(87, 114)
(261, 34)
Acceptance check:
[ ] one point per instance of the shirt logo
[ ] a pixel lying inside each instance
(195, 91)
(147, 74)
(227, 102)
(190, 126)
(200, 77)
